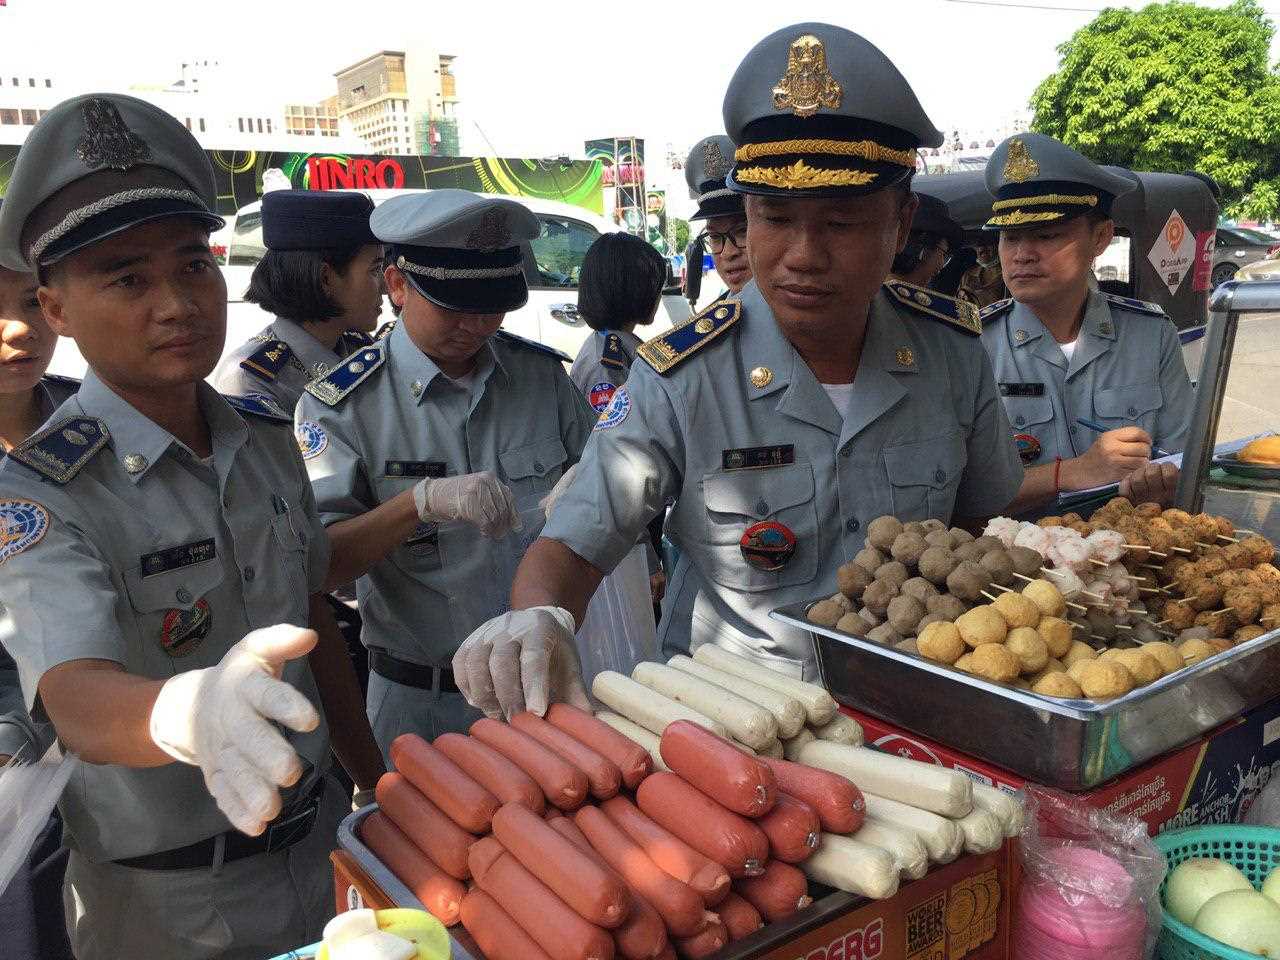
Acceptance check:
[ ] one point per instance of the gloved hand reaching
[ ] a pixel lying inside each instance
(219, 719)
(477, 498)
(522, 660)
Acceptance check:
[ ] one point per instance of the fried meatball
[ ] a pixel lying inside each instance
(945, 605)
(1267, 572)
(895, 572)
(1078, 652)
(959, 536)
(1025, 561)
(877, 596)
(1147, 510)
(853, 579)
(929, 618)
(1235, 557)
(1057, 635)
(870, 617)
(936, 564)
(1144, 667)
(826, 613)
(920, 588)
(854, 624)
(1165, 654)
(1222, 623)
(993, 661)
(907, 646)
(870, 559)
(1194, 633)
(884, 634)
(904, 613)
(1184, 538)
(941, 642)
(882, 531)
(1204, 527)
(908, 547)
(999, 565)
(1017, 610)
(1047, 597)
(965, 663)
(916, 528)
(1193, 651)
(1270, 615)
(932, 524)
(1246, 633)
(1057, 685)
(1245, 603)
(1179, 615)
(968, 580)
(1176, 517)
(1259, 549)
(1047, 522)
(1204, 594)
(1025, 644)
(982, 626)
(1226, 529)
(1105, 680)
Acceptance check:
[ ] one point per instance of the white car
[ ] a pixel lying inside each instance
(552, 264)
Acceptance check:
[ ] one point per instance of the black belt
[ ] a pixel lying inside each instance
(293, 824)
(415, 675)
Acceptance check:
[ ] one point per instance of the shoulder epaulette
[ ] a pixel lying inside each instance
(613, 355)
(58, 452)
(384, 331)
(993, 310)
(334, 386)
(675, 346)
(259, 405)
(957, 313)
(534, 346)
(1138, 306)
(268, 360)
(356, 339)
(71, 382)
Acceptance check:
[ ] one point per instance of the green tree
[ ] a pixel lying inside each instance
(1173, 87)
(682, 234)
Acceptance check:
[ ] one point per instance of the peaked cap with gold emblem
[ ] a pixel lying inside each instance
(1036, 179)
(94, 166)
(460, 250)
(705, 172)
(816, 110)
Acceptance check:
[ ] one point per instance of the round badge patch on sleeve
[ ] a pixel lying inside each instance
(618, 410)
(1028, 447)
(23, 524)
(600, 395)
(312, 439)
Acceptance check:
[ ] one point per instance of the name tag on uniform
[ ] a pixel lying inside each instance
(175, 558)
(751, 458)
(435, 469)
(1022, 389)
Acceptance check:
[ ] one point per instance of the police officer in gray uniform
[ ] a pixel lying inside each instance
(322, 277)
(158, 541)
(445, 426)
(783, 421)
(1064, 352)
(721, 207)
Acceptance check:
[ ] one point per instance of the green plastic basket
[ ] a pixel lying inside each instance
(1255, 850)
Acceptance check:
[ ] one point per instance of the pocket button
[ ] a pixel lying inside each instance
(940, 476)
(852, 525)
(762, 507)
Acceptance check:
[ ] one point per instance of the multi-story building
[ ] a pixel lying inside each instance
(401, 101)
(312, 119)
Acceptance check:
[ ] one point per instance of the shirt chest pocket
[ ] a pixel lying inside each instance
(289, 535)
(924, 477)
(532, 470)
(1137, 404)
(1027, 413)
(737, 499)
(174, 613)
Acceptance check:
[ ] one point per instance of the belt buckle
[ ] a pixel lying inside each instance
(287, 831)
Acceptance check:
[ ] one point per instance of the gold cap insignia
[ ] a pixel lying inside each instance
(715, 165)
(761, 377)
(905, 357)
(703, 326)
(807, 84)
(1020, 166)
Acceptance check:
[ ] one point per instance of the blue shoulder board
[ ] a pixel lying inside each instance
(268, 360)
(956, 313)
(613, 355)
(259, 405)
(1138, 306)
(384, 331)
(69, 382)
(346, 376)
(993, 310)
(665, 352)
(58, 452)
(534, 346)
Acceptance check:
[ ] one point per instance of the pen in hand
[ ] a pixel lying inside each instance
(1094, 425)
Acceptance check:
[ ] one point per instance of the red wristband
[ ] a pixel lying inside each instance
(1057, 475)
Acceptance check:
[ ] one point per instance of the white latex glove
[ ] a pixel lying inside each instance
(558, 490)
(522, 660)
(477, 498)
(361, 798)
(219, 719)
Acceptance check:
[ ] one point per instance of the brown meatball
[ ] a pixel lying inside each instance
(929, 618)
(1161, 541)
(932, 524)
(989, 543)
(915, 527)
(904, 613)
(1225, 527)
(825, 613)
(852, 579)
(969, 551)
(1259, 549)
(1069, 518)
(1244, 603)
(882, 531)
(907, 548)
(853, 624)
(1148, 510)
(959, 536)
(952, 608)
(1211, 566)
(1180, 616)
(936, 564)
(895, 572)
(1223, 623)
(1204, 594)
(1267, 573)
(940, 538)
(1184, 538)
(877, 596)
(884, 634)
(1000, 566)
(1237, 578)
(1237, 557)
(1176, 517)
(870, 559)
(920, 588)
(1205, 528)
(968, 580)
(1026, 561)
(1245, 634)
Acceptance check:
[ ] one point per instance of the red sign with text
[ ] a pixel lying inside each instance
(1202, 272)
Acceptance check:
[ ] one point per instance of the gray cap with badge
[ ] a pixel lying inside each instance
(705, 171)
(816, 110)
(94, 166)
(460, 250)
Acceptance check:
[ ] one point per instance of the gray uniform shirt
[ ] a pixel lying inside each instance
(252, 369)
(151, 559)
(1127, 370)
(924, 435)
(602, 365)
(405, 420)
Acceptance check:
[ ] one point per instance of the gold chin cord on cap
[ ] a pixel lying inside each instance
(800, 176)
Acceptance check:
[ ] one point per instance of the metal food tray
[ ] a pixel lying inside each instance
(1071, 744)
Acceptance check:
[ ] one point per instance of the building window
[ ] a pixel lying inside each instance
(15, 81)
(28, 118)
(268, 125)
(202, 124)
(47, 83)
(31, 81)
(259, 124)
(9, 118)
(240, 123)
(188, 122)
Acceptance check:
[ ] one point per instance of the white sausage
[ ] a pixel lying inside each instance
(923, 785)
(842, 729)
(639, 734)
(745, 721)
(941, 837)
(818, 704)
(904, 845)
(853, 866)
(646, 707)
(787, 711)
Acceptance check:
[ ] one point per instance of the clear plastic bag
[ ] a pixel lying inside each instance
(1091, 883)
(618, 631)
(28, 793)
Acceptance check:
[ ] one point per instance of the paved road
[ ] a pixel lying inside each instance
(1252, 403)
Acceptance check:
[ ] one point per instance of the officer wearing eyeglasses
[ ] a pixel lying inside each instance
(726, 232)
(934, 236)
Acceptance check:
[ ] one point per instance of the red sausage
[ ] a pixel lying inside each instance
(740, 918)
(668, 954)
(629, 757)
(792, 827)
(705, 942)
(669, 852)
(495, 933)
(421, 821)
(546, 918)
(838, 803)
(563, 784)
(732, 841)
(778, 893)
(735, 780)
(643, 936)
(440, 893)
(492, 770)
(595, 892)
(603, 776)
(677, 903)
(439, 779)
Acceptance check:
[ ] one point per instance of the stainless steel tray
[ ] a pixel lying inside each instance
(1071, 744)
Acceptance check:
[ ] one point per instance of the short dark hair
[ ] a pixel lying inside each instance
(290, 283)
(919, 243)
(621, 280)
